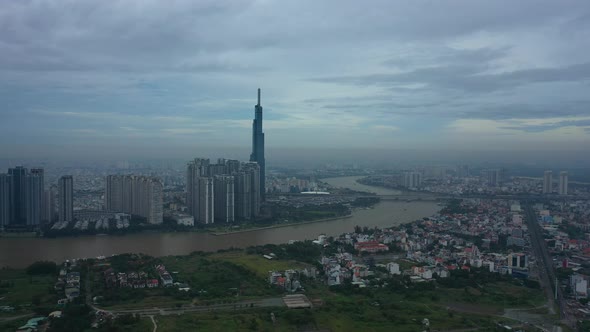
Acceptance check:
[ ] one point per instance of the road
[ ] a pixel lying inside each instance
(546, 268)
(242, 305)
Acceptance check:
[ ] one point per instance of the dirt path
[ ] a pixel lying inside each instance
(154, 322)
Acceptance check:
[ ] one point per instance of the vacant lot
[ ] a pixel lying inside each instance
(22, 291)
(257, 263)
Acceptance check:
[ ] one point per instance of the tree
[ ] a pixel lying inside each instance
(42, 267)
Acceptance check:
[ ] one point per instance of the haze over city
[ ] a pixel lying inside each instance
(272, 165)
(146, 78)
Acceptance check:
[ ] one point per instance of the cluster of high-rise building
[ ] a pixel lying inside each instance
(229, 190)
(135, 194)
(223, 192)
(24, 202)
(412, 180)
(493, 177)
(562, 188)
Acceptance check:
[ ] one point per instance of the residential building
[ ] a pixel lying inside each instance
(547, 182)
(66, 198)
(224, 198)
(518, 260)
(225, 191)
(49, 202)
(412, 180)
(563, 183)
(138, 195)
(493, 177)
(35, 188)
(4, 200)
(17, 196)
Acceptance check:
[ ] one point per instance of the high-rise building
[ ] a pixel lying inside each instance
(17, 196)
(563, 182)
(547, 182)
(243, 195)
(493, 177)
(4, 200)
(224, 191)
(113, 194)
(138, 195)
(224, 197)
(258, 146)
(205, 210)
(34, 196)
(49, 202)
(255, 173)
(412, 179)
(66, 198)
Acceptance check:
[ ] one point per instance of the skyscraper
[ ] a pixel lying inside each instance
(138, 195)
(547, 182)
(563, 179)
(258, 145)
(205, 212)
(4, 200)
(66, 198)
(224, 191)
(412, 179)
(17, 200)
(34, 196)
(224, 198)
(254, 172)
(494, 177)
(49, 201)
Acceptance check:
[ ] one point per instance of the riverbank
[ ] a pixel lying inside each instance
(387, 213)
(280, 225)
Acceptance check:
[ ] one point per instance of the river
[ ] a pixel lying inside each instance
(20, 252)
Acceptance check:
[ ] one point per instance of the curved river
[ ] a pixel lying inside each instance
(20, 252)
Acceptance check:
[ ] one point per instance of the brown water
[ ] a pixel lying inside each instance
(350, 182)
(20, 252)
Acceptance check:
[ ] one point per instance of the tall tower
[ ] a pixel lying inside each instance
(258, 145)
(563, 179)
(34, 196)
(547, 182)
(4, 200)
(66, 198)
(17, 197)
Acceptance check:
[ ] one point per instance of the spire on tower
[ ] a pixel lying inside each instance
(258, 96)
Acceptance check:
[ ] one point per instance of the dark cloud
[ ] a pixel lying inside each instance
(551, 126)
(467, 78)
(428, 63)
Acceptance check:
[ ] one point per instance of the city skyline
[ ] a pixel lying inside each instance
(458, 69)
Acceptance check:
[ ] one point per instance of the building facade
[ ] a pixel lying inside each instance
(258, 146)
(547, 182)
(222, 192)
(66, 198)
(412, 179)
(17, 196)
(4, 200)
(138, 195)
(563, 183)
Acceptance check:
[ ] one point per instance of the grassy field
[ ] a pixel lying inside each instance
(391, 307)
(494, 296)
(212, 278)
(256, 263)
(19, 290)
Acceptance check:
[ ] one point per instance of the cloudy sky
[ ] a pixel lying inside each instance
(85, 75)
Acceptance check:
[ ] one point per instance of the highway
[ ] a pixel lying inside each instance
(545, 265)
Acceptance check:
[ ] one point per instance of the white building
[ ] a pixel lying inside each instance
(393, 268)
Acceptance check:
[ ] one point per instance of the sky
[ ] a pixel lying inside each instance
(146, 77)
